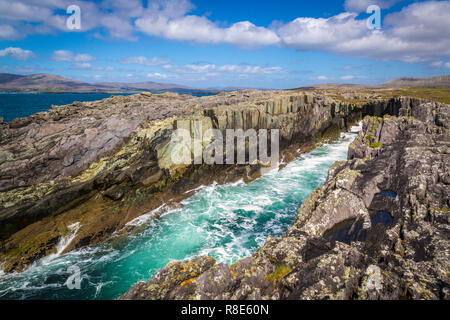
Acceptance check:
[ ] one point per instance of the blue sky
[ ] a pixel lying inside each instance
(212, 43)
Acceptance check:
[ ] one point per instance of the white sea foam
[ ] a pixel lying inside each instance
(356, 129)
(63, 243)
(143, 219)
(195, 189)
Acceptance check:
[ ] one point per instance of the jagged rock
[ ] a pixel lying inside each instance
(55, 164)
(377, 229)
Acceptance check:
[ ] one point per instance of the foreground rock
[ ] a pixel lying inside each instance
(101, 164)
(377, 229)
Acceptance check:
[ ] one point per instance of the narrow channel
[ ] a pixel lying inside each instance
(227, 222)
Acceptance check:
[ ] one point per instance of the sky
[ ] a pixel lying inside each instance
(214, 44)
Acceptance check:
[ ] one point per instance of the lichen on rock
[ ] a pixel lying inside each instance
(377, 229)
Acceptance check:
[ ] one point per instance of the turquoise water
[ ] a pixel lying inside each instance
(19, 105)
(227, 222)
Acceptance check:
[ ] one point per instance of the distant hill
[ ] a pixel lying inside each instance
(52, 83)
(48, 82)
(434, 82)
(334, 86)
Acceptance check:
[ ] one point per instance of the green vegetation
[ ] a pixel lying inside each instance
(441, 95)
(445, 210)
(375, 145)
(280, 272)
(369, 137)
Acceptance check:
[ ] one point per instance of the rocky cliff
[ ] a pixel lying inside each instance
(103, 163)
(377, 229)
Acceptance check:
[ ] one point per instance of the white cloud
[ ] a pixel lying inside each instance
(252, 69)
(362, 5)
(157, 75)
(8, 33)
(164, 21)
(191, 68)
(124, 8)
(436, 64)
(213, 69)
(317, 34)
(143, 61)
(48, 16)
(17, 53)
(322, 78)
(85, 65)
(69, 56)
(420, 32)
(349, 77)
(447, 65)
(88, 66)
(202, 30)
(118, 27)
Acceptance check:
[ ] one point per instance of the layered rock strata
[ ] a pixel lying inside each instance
(377, 229)
(103, 163)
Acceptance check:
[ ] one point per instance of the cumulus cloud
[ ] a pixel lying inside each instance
(69, 56)
(17, 53)
(78, 61)
(48, 16)
(169, 19)
(8, 33)
(349, 77)
(202, 30)
(419, 32)
(316, 34)
(144, 61)
(118, 27)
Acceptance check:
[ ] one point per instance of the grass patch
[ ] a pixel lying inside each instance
(441, 95)
(369, 137)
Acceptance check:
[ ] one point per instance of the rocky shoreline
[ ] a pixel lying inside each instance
(102, 164)
(377, 229)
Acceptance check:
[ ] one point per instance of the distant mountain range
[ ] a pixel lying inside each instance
(434, 82)
(52, 83)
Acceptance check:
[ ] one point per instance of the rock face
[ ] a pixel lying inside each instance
(377, 229)
(104, 163)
